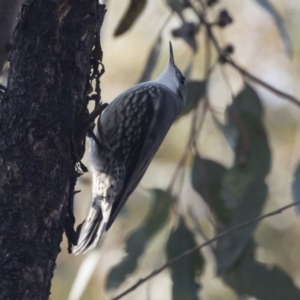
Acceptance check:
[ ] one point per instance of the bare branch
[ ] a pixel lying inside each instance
(198, 247)
(245, 73)
(229, 60)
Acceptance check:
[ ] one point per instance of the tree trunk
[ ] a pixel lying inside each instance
(42, 133)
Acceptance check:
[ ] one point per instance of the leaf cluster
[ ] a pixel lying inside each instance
(234, 195)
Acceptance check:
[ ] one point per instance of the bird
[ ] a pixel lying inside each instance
(127, 135)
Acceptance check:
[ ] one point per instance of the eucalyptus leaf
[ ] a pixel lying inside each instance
(176, 5)
(229, 131)
(246, 103)
(133, 11)
(138, 240)
(230, 250)
(159, 213)
(256, 279)
(252, 149)
(135, 246)
(184, 273)
(207, 177)
(195, 92)
(243, 189)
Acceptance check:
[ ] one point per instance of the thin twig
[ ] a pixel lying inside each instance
(262, 83)
(245, 73)
(197, 127)
(198, 247)
(195, 130)
(230, 61)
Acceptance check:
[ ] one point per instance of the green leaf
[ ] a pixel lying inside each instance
(195, 91)
(177, 5)
(246, 104)
(159, 213)
(151, 61)
(243, 190)
(229, 250)
(255, 279)
(134, 10)
(296, 189)
(252, 150)
(135, 246)
(184, 272)
(138, 240)
(229, 131)
(207, 177)
(279, 23)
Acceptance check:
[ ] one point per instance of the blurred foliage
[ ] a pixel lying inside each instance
(239, 193)
(185, 272)
(177, 5)
(207, 177)
(249, 277)
(133, 11)
(195, 92)
(233, 194)
(137, 241)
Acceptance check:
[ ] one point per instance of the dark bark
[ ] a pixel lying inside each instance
(42, 131)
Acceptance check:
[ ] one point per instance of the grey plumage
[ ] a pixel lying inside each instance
(131, 129)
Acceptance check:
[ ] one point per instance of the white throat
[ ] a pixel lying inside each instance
(168, 78)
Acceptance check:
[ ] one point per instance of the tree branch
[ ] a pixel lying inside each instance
(198, 247)
(226, 59)
(262, 83)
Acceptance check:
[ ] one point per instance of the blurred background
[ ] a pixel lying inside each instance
(261, 46)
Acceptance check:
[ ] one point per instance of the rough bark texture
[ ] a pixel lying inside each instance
(40, 135)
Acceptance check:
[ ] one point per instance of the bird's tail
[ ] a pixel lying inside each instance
(93, 228)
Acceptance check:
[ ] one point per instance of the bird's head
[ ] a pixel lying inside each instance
(172, 77)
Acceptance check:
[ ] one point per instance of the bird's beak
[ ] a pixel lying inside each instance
(171, 58)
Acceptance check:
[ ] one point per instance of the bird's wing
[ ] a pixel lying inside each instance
(152, 117)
